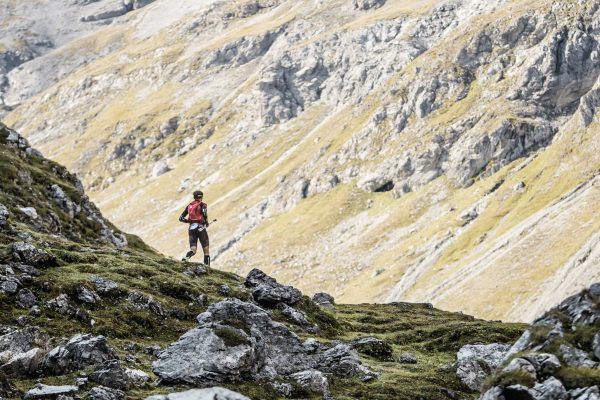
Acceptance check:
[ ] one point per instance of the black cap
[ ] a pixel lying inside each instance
(198, 194)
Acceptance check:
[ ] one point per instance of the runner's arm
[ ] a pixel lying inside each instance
(205, 213)
(182, 217)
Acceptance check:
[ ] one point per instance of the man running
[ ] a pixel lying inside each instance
(197, 216)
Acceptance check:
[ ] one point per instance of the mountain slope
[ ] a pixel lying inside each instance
(423, 151)
(129, 303)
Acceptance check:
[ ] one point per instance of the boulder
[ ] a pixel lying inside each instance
(86, 295)
(237, 340)
(4, 214)
(137, 377)
(110, 374)
(26, 298)
(576, 357)
(523, 365)
(323, 299)
(80, 352)
(103, 285)
(29, 254)
(41, 391)
(550, 389)
(407, 358)
(21, 341)
(267, 292)
(589, 393)
(476, 362)
(213, 393)
(312, 380)
(374, 347)
(593, 291)
(9, 284)
(24, 364)
(29, 212)
(581, 309)
(105, 393)
(545, 364)
(142, 302)
(296, 316)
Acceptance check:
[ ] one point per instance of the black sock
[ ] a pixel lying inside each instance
(189, 254)
(207, 261)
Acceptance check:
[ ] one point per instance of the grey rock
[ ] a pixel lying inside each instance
(9, 284)
(110, 374)
(196, 270)
(295, 316)
(136, 377)
(201, 356)
(106, 10)
(580, 309)
(30, 212)
(407, 358)
(4, 215)
(63, 201)
(545, 364)
(494, 393)
(26, 298)
(24, 364)
(29, 254)
(62, 305)
(266, 291)
(594, 291)
(224, 290)
(21, 341)
(523, 365)
(213, 393)
(323, 299)
(141, 3)
(283, 389)
(103, 285)
(86, 295)
(550, 389)
(238, 340)
(80, 352)
(476, 362)
(143, 302)
(42, 391)
(589, 393)
(105, 393)
(160, 168)
(312, 380)
(576, 357)
(374, 347)
(367, 4)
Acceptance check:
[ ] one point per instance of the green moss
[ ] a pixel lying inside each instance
(231, 336)
(578, 377)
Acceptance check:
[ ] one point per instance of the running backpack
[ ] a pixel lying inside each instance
(195, 212)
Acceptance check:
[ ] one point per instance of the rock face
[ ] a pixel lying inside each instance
(238, 340)
(543, 369)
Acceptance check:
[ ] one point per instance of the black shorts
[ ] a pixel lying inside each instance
(197, 234)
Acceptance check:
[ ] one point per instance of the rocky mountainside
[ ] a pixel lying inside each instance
(438, 151)
(87, 311)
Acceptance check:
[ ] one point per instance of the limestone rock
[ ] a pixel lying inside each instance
(29, 254)
(26, 298)
(42, 391)
(137, 377)
(24, 364)
(312, 380)
(105, 393)
(80, 352)
(475, 362)
(31, 212)
(212, 393)
(86, 295)
(323, 299)
(142, 302)
(21, 341)
(266, 291)
(4, 214)
(103, 285)
(576, 357)
(110, 374)
(374, 347)
(238, 340)
(589, 393)
(550, 389)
